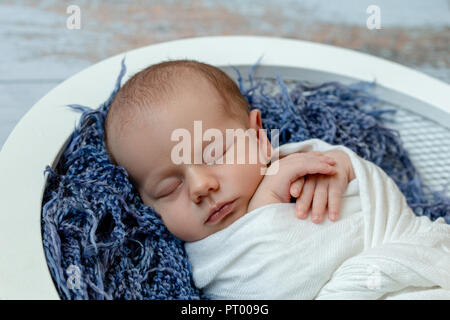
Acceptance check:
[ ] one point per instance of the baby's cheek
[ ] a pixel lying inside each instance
(255, 178)
(145, 199)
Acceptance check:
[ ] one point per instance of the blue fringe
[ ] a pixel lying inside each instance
(93, 218)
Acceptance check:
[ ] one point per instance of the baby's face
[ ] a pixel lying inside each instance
(184, 194)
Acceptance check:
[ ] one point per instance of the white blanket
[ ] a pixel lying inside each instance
(378, 249)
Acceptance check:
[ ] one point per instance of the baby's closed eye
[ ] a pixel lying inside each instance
(168, 190)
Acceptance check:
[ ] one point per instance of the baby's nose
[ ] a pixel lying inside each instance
(202, 182)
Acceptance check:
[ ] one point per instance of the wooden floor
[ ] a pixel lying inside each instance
(38, 51)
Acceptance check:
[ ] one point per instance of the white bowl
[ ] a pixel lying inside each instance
(42, 133)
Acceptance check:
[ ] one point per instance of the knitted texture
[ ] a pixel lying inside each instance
(102, 242)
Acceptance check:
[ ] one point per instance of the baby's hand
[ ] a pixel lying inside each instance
(323, 190)
(276, 185)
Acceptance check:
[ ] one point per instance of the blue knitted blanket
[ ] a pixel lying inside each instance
(102, 242)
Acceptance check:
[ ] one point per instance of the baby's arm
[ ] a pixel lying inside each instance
(275, 187)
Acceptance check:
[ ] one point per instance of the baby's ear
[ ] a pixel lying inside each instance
(265, 147)
(254, 119)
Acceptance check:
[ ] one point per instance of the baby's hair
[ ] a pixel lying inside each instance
(156, 83)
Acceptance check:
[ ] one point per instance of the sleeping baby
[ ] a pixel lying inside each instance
(242, 234)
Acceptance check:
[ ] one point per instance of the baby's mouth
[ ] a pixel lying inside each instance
(221, 210)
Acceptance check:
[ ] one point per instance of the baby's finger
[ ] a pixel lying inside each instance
(296, 187)
(323, 157)
(303, 203)
(334, 201)
(313, 167)
(320, 200)
(316, 153)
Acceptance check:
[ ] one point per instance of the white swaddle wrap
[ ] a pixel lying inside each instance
(377, 249)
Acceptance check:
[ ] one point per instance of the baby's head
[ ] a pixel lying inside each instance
(164, 98)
